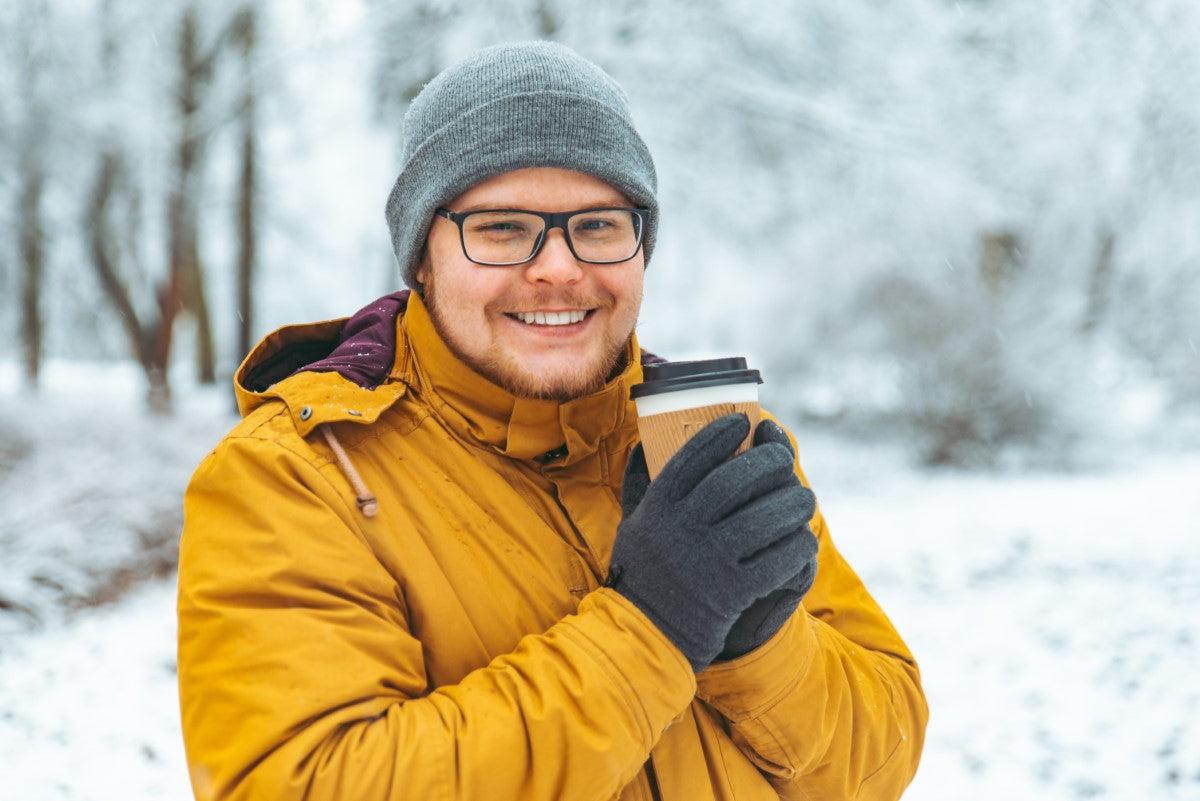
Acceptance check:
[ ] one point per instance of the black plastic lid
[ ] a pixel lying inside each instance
(673, 376)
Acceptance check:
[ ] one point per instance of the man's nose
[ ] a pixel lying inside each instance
(555, 263)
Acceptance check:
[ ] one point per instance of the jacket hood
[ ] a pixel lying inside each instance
(332, 371)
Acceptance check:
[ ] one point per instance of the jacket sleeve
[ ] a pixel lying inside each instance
(300, 678)
(831, 707)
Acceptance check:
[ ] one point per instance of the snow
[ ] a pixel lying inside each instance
(1056, 616)
(90, 485)
(88, 707)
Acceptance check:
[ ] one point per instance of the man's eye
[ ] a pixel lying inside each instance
(594, 224)
(498, 226)
(601, 224)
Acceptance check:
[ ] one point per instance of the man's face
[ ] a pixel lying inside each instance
(488, 316)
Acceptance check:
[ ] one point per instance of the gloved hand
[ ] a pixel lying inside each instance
(710, 535)
(765, 616)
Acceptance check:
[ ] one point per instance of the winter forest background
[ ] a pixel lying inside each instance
(960, 239)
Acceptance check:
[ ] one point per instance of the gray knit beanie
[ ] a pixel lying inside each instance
(506, 107)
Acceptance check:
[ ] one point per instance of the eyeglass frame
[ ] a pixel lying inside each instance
(552, 220)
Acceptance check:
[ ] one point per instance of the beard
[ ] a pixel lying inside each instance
(504, 366)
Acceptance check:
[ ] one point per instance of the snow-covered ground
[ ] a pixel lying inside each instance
(1056, 619)
(1056, 616)
(88, 709)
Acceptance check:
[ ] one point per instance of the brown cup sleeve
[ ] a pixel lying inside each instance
(663, 434)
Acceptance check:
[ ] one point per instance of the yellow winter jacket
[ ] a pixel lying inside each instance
(450, 638)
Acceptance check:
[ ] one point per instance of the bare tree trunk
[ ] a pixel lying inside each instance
(246, 243)
(195, 300)
(245, 35)
(547, 22)
(185, 283)
(1100, 282)
(110, 180)
(170, 294)
(33, 61)
(33, 262)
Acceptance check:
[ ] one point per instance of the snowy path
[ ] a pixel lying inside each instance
(1056, 618)
(88, 709)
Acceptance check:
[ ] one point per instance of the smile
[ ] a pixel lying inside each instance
(568, 317)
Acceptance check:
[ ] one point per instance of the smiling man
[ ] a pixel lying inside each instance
(430, 563)
(556, 323)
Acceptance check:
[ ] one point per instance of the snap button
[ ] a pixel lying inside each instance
(354, 412)
(306, 413)
(553, 453)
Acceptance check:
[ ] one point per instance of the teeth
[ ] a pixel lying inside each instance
(552, 318)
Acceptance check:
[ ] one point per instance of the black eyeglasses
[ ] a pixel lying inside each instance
(504, 237)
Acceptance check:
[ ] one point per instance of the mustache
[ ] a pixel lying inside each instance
(550, 300)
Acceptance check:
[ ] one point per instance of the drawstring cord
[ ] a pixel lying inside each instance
(366, 501)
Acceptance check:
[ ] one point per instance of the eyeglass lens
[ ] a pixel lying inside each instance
(507, 237)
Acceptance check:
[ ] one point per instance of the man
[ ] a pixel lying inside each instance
(430, 563)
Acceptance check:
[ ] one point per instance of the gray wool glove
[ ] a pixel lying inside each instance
(710, 535)
(767, 615)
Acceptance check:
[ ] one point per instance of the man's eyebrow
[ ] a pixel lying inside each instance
(616, 202)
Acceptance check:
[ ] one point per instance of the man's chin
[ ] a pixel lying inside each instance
(563, 385)
(557, 380)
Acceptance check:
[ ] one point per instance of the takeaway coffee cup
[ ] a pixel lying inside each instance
(677, 399)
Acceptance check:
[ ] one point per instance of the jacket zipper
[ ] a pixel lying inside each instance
(652, 780)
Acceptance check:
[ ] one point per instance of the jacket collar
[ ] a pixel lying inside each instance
(553, 432)
(353, 370)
